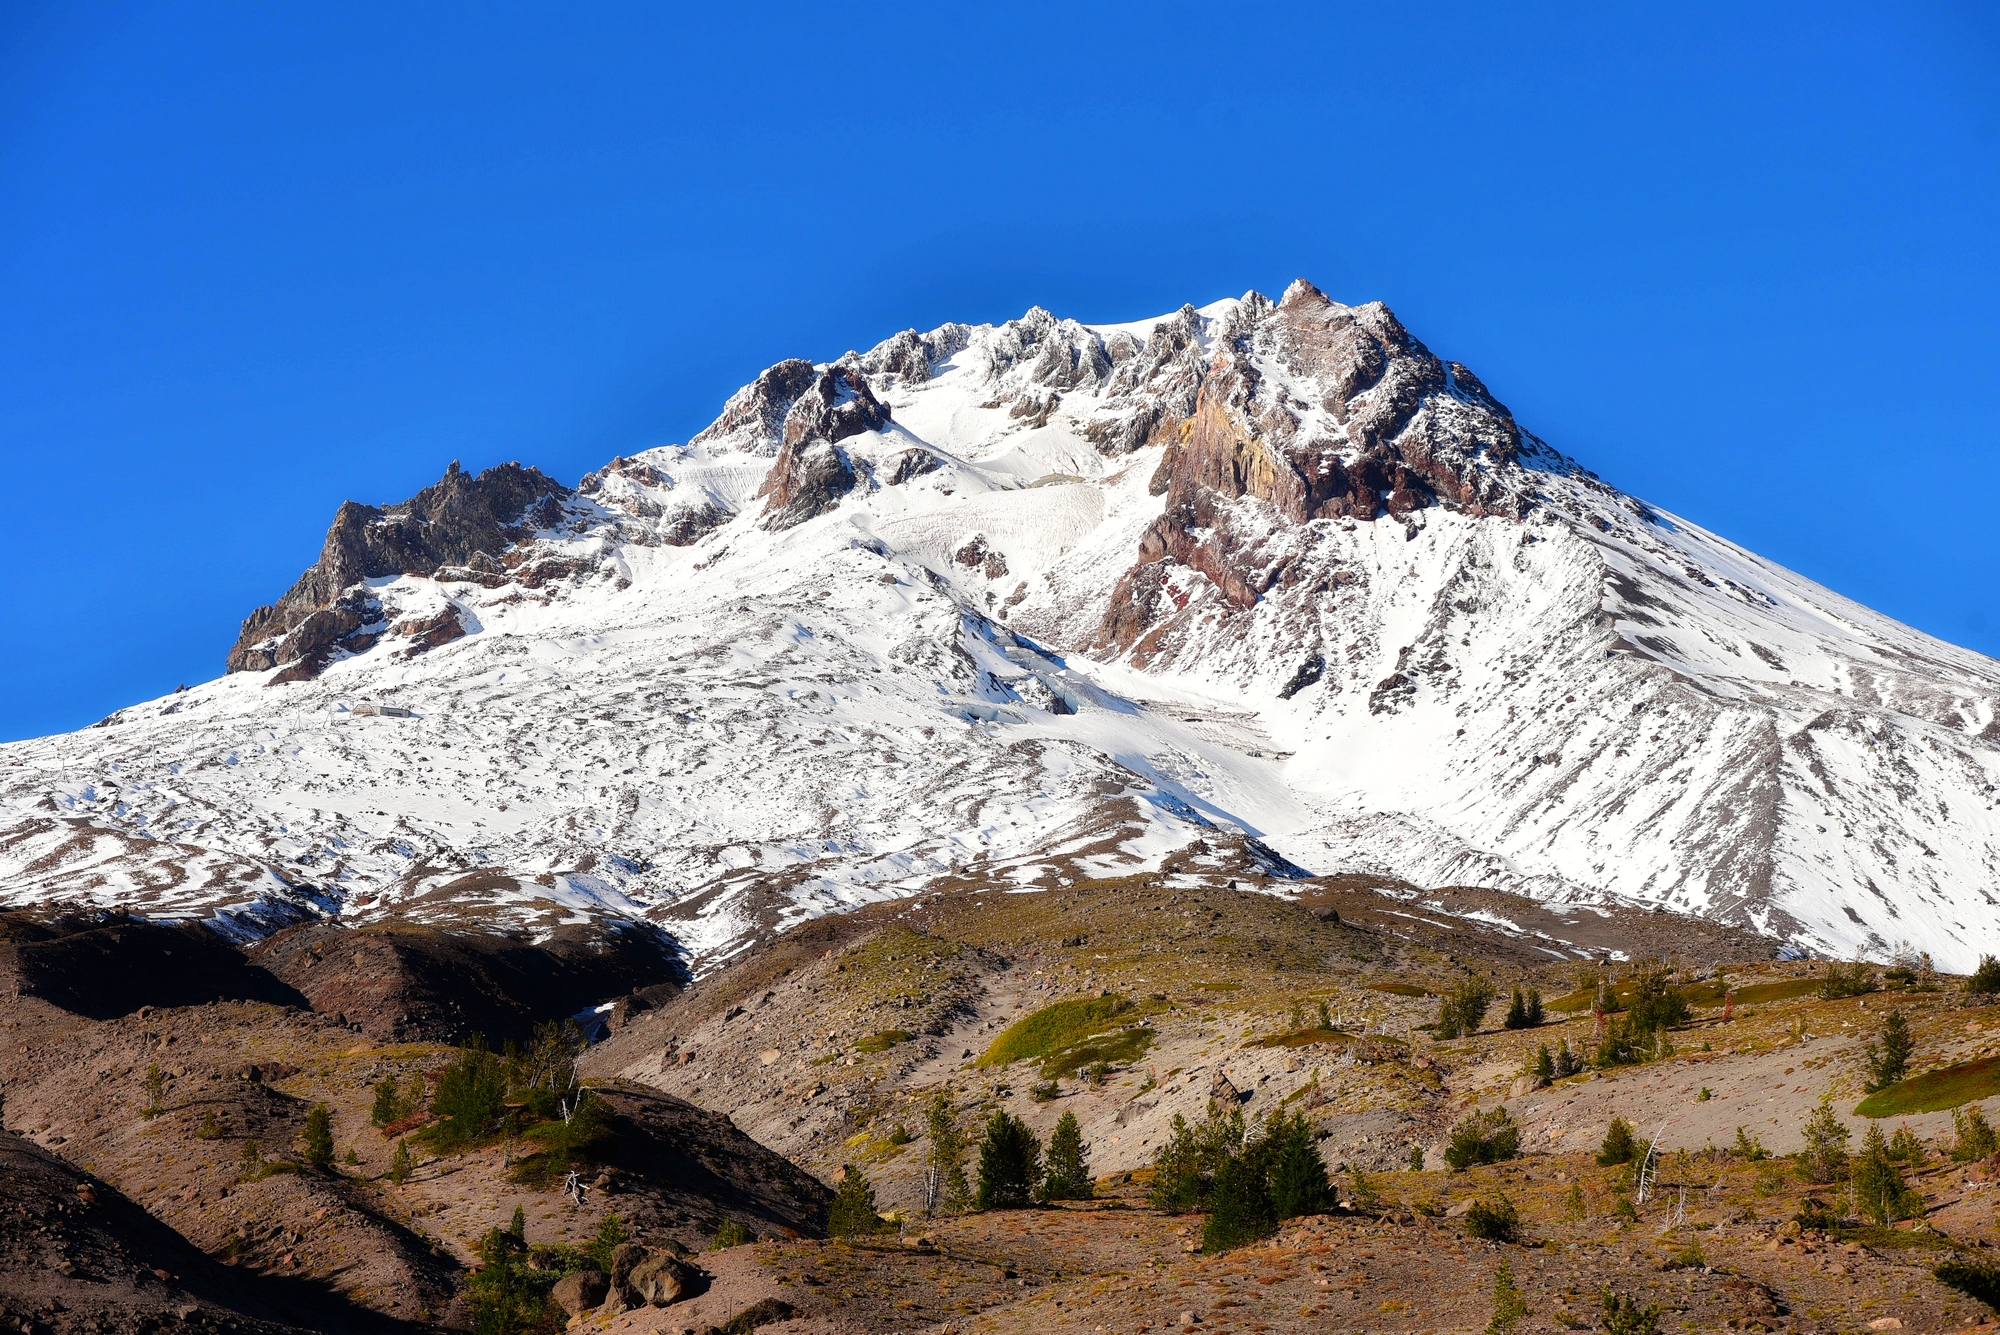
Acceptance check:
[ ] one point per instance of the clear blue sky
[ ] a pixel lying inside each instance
(255, 259)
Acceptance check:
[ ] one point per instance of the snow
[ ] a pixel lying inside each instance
(1602, 703)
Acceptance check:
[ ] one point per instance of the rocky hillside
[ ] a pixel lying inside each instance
(1031, 602)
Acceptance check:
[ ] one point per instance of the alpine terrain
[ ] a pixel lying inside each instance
(1262, 588)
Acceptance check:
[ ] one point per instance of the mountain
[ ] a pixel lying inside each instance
(1256, 590)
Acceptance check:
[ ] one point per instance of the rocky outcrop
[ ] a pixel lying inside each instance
(754, 417)
(447, 526)
(1387, 429)
(812, 472)
(580, 1290)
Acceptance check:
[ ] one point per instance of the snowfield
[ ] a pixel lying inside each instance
(736, 683)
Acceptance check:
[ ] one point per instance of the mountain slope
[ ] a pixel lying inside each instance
(1037, 600)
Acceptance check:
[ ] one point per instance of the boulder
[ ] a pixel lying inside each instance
(662, 1280)
(581, 1290)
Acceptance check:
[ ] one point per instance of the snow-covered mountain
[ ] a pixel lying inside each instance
(1037, 600)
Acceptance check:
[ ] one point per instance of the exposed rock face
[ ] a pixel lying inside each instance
(447, 525)
(1389, 430)
(812, 472)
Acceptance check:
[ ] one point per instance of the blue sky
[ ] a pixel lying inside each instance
(256, 259)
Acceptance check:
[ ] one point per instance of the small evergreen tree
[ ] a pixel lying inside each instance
(1517, 1011)
(1973, 1137)
(1824, 1156)
(1534, 1008)
(1906, 1149)
(1416, 1158)
(1890, 1062)
(156, 1091)
(517, 1227)
(610, 1234)
(1879, 1190)
(1296, 1175)
(1463, 1009)
(1509, 1305)
(1545, 1064)
(1986, 978)
(1750, 1148)
(1241, 1209)
(1068, 1175)
(317, 1145)
(399, 1163)
(729, 1234)
(387, 1108)
(853, 1213)
(1184, 1167)
(1498, 1222)
(1575, 1208)
(1009, 1163)
(945, 1189)
(1619, 1144)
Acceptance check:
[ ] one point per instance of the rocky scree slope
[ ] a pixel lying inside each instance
(1035, 600)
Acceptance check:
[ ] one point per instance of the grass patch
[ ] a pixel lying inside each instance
(1935, 1091)
(1785, 991)
(1119, 1049)
(1697, 994)
(1053, 1028)
(1906, 1239)
(884, 1039)
(1401, 989)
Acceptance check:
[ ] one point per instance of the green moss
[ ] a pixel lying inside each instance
(1401, 989)
(1935, 1091)
(1073, 1034)
(883, 1040)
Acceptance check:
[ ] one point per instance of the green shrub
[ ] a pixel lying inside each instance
(1750, 1148)
(316, 1148)
(1009, 1163)
(1482, 1137)
(1853, 980)
(1044, 1091)
(1905, 1148)
(1624, 1316)
(156, 1091)
(399, 1163)
(729, 1233)
(1619, 1146)
(1975, 1281)
(389, 1106)
(853, 1213)
(1498, 1222)
(1973, 1137)
(1889, 1062)
(1274, 1175)
(1068, 1174)
(883, 1040)
(504, 1295)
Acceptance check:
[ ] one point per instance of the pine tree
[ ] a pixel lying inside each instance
(1509, 1306)
(1619, 1145)
(610, 1234)
(1517, 1011)
(1890, 1062)
(1973, 1135)
(386, 1109)
(1879, 1190)
(517, 1227)
(945, 1189)
(1068, 1175)
(317, 1145)
(1534, 1008)
(1009, 1163)
(1297, 1182)
(1241, 1210)
(399, 1163)
(1824, 1158)
(853, 1213)
(156, 1090)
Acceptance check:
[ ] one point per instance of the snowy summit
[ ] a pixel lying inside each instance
(1026, 602)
